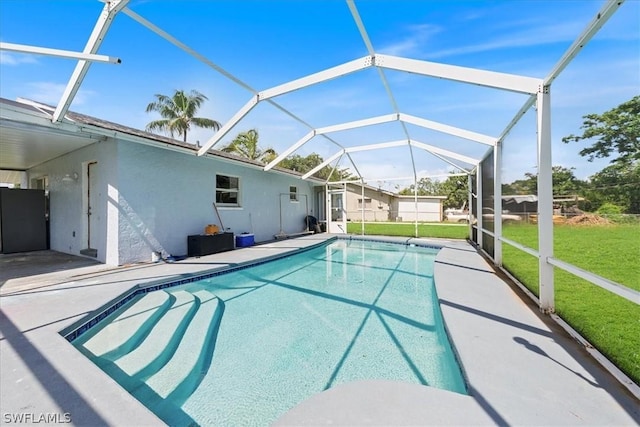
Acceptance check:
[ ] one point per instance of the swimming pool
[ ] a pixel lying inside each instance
(246, 346)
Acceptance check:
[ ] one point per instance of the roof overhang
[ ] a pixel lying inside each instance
(29, 137)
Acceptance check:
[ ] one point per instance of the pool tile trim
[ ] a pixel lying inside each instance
(77, 329)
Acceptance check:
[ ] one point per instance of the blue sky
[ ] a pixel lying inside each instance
(267, 43)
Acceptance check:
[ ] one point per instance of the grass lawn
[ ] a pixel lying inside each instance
(448, 231)
(609, 322)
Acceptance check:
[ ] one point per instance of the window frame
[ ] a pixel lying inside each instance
(220, 190)
(293, 195)
(368, 203)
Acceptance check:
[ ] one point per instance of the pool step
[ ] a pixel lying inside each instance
(160, 344)
(183, 373)
(128, 329)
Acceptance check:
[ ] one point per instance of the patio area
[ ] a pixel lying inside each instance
(521, 368)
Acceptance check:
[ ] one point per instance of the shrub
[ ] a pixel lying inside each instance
(609, 209)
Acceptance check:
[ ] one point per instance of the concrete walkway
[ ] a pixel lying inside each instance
(521, 368)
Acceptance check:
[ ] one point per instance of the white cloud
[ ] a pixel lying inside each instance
(416, 39)
(525, 33)
(50, 93)
(533, 36)
(15, 59)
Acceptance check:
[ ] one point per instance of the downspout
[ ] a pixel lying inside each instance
(281, 233)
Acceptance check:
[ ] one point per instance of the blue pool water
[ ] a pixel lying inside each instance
(243, 348)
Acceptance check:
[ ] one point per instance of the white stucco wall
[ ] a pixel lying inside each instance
(429, 210)
(164, 196)
(150, 199)
(378, 209)
(68, 223)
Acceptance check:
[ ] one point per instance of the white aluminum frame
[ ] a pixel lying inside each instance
(541, 99)
(497, 203)
(436, 150)
(509, 82)
(323, 164)
(320, 77)
(23, 48)
(428, 124)
(545, 201)
(109, 12)
(537, 89)
(451, 130)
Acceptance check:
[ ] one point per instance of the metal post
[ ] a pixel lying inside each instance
(497, 204)
(415, 204)
(327, 207)
(545, 201)
(479, 203)
(470, 188)
(362, 219)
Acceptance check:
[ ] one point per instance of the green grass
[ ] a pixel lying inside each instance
(609, 322)
(446, 231)
(611, 251)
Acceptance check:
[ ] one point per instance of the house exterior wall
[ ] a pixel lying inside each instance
(149, 199)
(384, 206)
(67, 200)
(429, 209)
(378, 209)
(164, 196)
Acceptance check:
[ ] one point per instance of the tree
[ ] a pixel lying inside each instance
(564, 183)
(245, 144)
(528, 185)
(616, 184)
(305, 164)
(178, 112)
(457, 191)
(454, 187)
(617, 133)
(425, 186)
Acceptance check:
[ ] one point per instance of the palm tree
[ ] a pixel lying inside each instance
(178, 113)
(245, 144)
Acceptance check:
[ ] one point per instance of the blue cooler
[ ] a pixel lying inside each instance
(244, 240)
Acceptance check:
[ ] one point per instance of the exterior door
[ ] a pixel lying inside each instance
(336, 213)
(92, 205)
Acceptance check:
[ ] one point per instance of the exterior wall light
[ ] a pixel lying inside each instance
(70, 178)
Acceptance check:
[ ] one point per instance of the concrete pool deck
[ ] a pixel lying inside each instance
(521, 368)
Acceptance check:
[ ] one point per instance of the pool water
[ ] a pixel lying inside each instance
(243, 348)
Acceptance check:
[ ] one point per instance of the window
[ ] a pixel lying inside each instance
(293, 193)
(41, 183)
(367, 203)
(227, 190)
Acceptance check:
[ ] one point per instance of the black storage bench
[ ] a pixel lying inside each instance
(207, 244)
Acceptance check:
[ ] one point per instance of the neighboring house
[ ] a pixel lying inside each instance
(120, 194)
(381, 205)
(426, 209)
(520, 204)
(377, 203)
